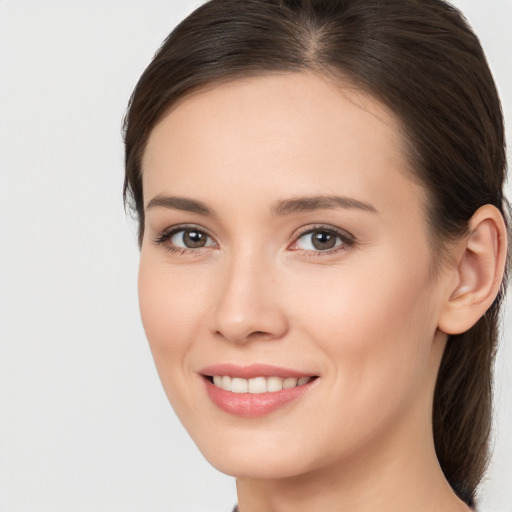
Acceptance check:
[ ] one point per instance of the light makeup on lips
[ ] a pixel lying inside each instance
(254, 391)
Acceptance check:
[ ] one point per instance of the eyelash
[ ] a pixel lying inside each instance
(347, 240)
(167, 234)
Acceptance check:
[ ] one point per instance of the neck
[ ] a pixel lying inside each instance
(401, 483)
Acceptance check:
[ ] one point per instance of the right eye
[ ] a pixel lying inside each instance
(185, 238)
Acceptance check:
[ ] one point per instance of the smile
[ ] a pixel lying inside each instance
(257, 385)
(255, 390)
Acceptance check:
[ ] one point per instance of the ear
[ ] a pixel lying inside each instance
(477, 272)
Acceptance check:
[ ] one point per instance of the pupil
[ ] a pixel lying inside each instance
(323, 240)
(193, 239)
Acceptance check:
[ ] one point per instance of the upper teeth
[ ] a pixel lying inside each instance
(257, 384)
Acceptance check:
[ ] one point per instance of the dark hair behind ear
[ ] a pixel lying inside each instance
(422, 60)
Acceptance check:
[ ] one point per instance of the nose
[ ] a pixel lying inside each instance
(248, 306)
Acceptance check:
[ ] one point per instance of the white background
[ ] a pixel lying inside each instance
(84, 424)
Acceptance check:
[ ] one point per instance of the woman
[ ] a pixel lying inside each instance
(323, 241)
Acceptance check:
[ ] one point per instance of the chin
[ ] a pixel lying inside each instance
(259, 467)
(258, 455)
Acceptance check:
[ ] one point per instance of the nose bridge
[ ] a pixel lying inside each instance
(247, 305)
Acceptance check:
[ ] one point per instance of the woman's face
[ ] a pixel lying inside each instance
(285, 240)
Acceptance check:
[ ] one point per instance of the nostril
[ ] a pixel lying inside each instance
(258, 334)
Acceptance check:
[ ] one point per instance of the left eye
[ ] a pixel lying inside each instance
(319, 240)
(190, 238)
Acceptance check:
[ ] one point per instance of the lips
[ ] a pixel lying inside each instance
(255, 390)
(251, 371)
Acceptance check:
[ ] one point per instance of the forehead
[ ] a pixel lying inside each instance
(299, 129)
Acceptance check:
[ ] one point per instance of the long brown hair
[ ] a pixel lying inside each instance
(421, 59)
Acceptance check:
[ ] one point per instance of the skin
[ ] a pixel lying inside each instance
(364, 318)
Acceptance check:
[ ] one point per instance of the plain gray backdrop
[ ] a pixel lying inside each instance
(84, 423)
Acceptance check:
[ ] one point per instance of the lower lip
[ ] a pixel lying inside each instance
(253, 405)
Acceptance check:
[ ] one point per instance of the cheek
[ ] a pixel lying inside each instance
(376, 322)
(375, 332)
(170, 303)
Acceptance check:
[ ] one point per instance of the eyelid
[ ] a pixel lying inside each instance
(348, 239)
(164, 236)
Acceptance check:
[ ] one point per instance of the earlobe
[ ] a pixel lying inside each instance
(478, 272)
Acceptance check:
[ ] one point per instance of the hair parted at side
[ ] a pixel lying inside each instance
(421, 59)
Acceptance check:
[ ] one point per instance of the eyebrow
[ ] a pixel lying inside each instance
(180, 203)
(304, 204)
(280, 208)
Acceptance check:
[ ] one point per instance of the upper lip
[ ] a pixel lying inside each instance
(252, 371)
